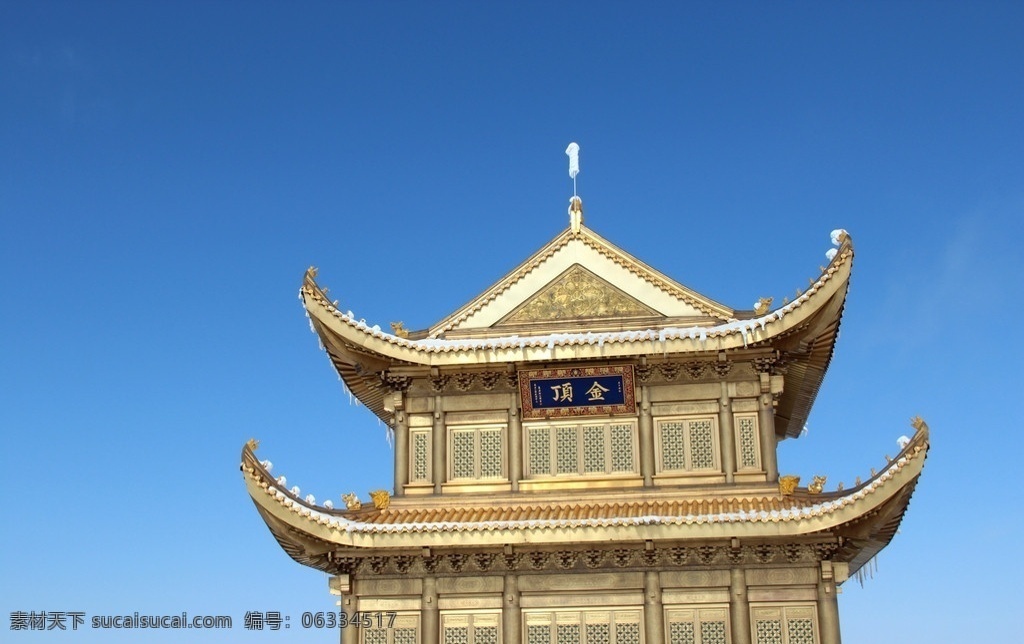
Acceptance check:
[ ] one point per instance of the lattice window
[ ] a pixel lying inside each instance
(747, 444)
(568, 633)
(476, 453)
(713, 633)
(698, 626)
(456, 635)
(470, 629)
(486, 635)
(566, 451)
(702, 445)
(538, 634)
(800, 631)
(475, 628)
(681, 633)
(627, 633)
(405, 636)
(581, 449)
(688, 445)
(673, 446)
(785, 625)
(491, 455)
(375, 636)
(599, 633)
(539, 444)
(769, 631)
(584, 627)
(402, 631)
(622, 448)
(420, 470)
(593, 449)
(463, 454)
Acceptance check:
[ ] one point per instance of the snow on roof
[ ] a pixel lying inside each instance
(745, 327)
(344, 524)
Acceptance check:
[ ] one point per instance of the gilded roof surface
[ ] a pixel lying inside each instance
(803, 332)
(803, 511)
(691, 338)
(806, 329)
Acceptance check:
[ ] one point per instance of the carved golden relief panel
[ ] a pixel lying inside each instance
(578, 294)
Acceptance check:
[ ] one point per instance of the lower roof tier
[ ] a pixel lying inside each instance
(866, 517)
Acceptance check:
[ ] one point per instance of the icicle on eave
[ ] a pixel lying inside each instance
(868, 570)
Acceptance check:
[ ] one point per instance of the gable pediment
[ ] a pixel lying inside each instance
(580, 277)
(577, 294)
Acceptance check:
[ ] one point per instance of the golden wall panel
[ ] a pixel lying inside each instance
(682, 393)
(695, 578)
(744, 388)
(475, 402)
(687, 597)
(474, 602)
(421, 420)
(419, 404)
(685, 408)
(581, 599)
(499, 416)
(574, 582)
(385, 604)
(404, 586)
(745, 405)
(467, 585)
(781, 576)
(782, 594)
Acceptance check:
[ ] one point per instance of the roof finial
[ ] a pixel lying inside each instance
(575, 203)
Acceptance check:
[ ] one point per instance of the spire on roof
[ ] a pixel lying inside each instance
(575, 213)
(575, 203)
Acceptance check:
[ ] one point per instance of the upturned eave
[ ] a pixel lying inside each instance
(805, 328)
(354, 336)
(866, 517)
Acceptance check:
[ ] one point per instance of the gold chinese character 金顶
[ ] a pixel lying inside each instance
(563, 392)
(596, 391)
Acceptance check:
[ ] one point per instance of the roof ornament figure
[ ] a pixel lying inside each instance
(575, 203)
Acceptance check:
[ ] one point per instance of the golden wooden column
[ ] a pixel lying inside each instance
(515, 443)
(511, 612)
(439, 444)
(646, 429)
(349, 634)
(726, 435)
(430, 618)
(739, 607)
(769, 443)
(828, 606)
(341, 586)
(654, 618)
(401, 452)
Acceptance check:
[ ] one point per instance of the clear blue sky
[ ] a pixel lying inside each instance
(169, 169)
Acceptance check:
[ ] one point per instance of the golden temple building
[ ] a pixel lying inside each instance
(585, 453)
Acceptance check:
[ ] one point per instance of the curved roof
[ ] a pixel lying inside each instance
(805, 328)
(867, 515)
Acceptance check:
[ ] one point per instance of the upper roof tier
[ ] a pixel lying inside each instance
(580, 298)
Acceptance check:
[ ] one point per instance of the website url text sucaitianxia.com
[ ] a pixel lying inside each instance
(75, 620)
